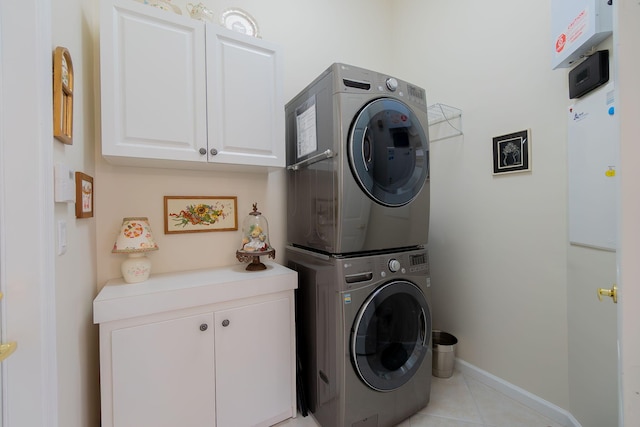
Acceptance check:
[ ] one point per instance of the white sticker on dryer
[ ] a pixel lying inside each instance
(307, 141)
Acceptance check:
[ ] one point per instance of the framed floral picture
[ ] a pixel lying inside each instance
(194, 214)
(84, 195)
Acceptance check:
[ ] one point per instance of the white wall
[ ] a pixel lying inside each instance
(497, 243)
(77, 339)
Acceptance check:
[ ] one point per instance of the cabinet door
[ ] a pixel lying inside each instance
(153, 94)
(246, 107)
(163, 373)
(254, 364)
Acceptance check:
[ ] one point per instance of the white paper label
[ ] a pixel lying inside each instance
(307, 141)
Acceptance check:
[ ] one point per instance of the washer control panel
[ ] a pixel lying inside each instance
(361, 271)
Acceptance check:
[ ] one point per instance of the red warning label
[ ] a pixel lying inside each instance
(561, 42)
(573, 32)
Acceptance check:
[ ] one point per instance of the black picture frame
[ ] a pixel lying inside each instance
(512, 152)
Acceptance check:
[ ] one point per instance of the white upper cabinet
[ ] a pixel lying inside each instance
(153, 76)
(179, 93)
(245, 102)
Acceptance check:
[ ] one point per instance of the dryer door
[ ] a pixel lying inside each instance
(390, 336)
(389, 152)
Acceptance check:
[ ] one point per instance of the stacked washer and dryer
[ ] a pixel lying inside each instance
(357, 226)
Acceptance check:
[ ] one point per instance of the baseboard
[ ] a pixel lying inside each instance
(518, 394)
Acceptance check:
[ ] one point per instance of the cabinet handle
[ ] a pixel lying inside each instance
(204, 327)
(214, 151)
(225, 322)
(202, 151)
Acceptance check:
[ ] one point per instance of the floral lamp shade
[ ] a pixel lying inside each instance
(135, 238)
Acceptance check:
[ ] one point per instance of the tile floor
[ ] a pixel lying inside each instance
(461, 401)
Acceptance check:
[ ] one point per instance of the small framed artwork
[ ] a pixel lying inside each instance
(84, 195)
(194, 214)
(512, 152)
(62, 95)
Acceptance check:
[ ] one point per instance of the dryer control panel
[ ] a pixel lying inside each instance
(394, 265)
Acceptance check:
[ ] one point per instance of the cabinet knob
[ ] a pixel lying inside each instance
(214, 151)
(225, 322)
(202, 151)
(204, 327)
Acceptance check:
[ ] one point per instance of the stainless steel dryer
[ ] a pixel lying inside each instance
(364, 331)
(358, 163)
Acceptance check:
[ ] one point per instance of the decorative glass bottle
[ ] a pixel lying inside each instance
(255, 240)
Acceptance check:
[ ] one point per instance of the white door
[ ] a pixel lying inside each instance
(26, 208)
(627, 40)
(593, 149)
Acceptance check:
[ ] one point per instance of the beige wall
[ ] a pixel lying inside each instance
(498, 244)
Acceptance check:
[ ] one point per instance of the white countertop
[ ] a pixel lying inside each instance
(173, 291)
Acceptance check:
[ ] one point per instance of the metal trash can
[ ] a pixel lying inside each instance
(444, 355)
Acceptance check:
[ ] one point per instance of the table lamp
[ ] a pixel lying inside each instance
(135, 239)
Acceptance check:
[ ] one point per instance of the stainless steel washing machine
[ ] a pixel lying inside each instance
(363, 334)
(357, 163)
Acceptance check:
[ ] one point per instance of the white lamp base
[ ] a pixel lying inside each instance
(136, 268)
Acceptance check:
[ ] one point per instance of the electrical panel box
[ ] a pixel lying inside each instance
(577, 26)
(589, 74)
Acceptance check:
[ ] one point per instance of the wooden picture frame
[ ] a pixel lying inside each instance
(512, 152)
(194, 214)
(62, 95)
(84, 195)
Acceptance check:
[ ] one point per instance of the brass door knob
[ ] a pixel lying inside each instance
(613, 293)
(7, 349)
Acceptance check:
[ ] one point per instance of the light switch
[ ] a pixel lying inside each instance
(62, 237)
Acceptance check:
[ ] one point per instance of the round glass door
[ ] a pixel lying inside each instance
(390, 336)
(389, 152)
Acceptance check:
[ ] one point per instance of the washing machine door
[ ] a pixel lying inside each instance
(390, 336)
(389, 152)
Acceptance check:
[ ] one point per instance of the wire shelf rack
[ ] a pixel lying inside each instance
(444, 122)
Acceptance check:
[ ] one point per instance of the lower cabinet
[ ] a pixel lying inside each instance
(252, 383)
(163, 373)
(230, 363)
